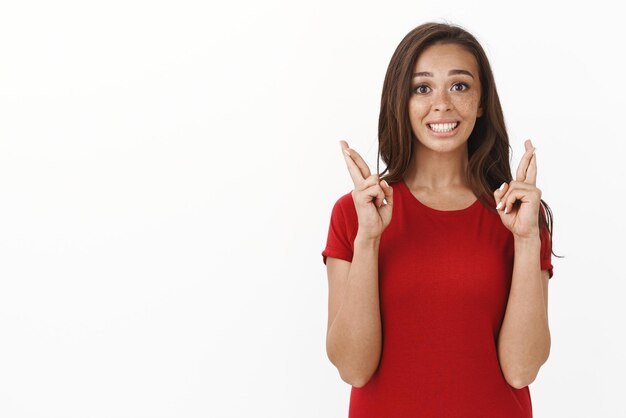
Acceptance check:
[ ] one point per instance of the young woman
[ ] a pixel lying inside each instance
(438, 271)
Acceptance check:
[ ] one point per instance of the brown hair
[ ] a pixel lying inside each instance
(488, 144)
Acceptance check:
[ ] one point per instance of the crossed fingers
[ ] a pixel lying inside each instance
(527, 168)
(523, 188)
(357, 167)
(378, 191)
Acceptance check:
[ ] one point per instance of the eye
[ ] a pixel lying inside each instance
(460, 84)
(420, 89)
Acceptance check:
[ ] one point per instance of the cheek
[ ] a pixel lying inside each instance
(468, 104)
(417, 111)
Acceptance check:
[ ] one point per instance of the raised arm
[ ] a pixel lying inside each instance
(524, 339)
(354, 333)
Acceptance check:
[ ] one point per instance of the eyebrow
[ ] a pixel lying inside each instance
(451, 72)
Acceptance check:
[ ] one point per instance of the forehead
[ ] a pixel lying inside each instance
(444, 57)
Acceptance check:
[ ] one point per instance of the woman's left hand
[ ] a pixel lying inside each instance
(521, 219)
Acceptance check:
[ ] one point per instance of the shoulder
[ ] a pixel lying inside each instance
(344, 211)
(345, 203)
(345, 198)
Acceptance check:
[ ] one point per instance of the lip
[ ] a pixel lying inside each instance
(444, 134)
(444, 121)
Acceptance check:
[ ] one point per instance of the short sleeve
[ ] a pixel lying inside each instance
(546, 254)
(342, 230)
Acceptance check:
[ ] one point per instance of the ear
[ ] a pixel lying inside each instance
(480, 112)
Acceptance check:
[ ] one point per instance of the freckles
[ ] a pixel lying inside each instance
(468, 103)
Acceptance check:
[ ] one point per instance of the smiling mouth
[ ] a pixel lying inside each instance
(442, 127)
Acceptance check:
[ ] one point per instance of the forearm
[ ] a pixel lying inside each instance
(354, 339)
(524, 339)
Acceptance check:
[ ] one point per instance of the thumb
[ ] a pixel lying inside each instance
(388, 190)
(499, 193)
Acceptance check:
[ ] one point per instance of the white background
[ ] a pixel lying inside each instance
(167, 172)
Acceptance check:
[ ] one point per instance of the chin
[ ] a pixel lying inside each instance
(443, 146)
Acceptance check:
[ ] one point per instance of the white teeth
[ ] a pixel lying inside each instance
(443, 127)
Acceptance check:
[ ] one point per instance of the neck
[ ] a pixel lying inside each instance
(437, 170)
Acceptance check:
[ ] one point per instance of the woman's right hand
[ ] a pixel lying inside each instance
(369, 191)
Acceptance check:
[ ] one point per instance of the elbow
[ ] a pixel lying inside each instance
(519, 383)
(351, 374)
(356, 380)
(355, 368)
(522, 377)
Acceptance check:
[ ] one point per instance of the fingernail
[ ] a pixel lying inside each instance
(506, 210)
(502, 186)
(346, 151)
(499, 205)
(386, 184)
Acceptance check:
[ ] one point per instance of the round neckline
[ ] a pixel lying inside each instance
(476, 203)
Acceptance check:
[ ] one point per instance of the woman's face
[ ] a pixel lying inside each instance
(445, 97)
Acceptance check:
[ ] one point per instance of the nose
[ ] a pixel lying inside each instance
(442, 101)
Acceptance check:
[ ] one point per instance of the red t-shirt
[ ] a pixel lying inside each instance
(444, 281)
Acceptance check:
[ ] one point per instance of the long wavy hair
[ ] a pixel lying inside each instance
(488, 145)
